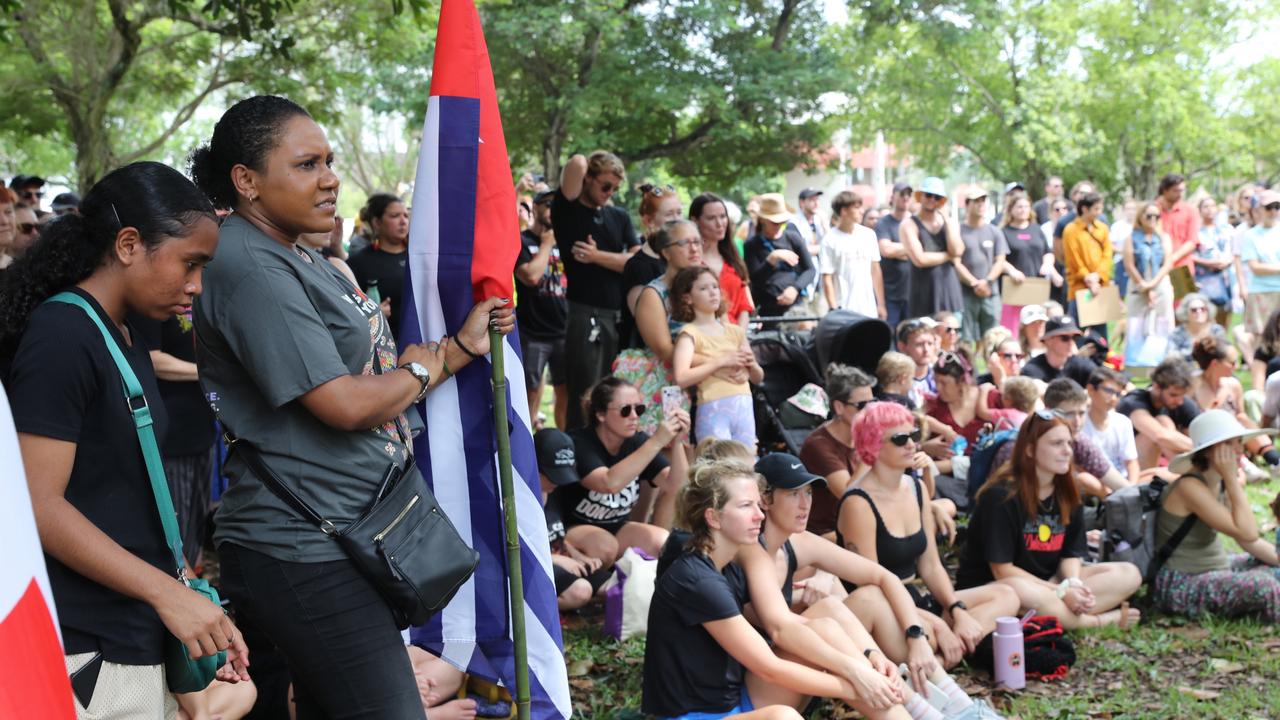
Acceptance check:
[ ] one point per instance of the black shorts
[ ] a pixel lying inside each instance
(540, 354)
(564, 578)
(924, 600)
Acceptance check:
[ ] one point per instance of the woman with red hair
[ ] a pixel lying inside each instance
(882, 518)
(1028, 533)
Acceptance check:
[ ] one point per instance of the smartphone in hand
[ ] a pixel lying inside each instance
(672, 399)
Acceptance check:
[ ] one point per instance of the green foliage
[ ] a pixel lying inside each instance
(713, 88)
(1113, 90)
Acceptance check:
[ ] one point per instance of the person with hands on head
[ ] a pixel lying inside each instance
(701, 652)
(1200, 577)
(876, 620)
(883, 518)
(629, 479)
(659, 205)
(139, 246)
(596, 239)
(1162, 412)
(302, 366)
(1028, 533)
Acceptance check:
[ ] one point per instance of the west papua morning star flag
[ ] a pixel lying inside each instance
(33, 674)
(463, 242)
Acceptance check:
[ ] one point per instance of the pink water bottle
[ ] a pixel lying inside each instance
(1009, 656)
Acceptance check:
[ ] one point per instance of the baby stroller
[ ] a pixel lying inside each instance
(790, 360)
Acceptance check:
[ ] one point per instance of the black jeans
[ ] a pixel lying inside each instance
(591, 344)
(345, 655)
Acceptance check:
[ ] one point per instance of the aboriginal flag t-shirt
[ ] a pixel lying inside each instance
(1001, 532)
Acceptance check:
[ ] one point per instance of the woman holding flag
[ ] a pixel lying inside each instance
(302, 367)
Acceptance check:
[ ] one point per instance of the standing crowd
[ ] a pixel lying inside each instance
(987, 433)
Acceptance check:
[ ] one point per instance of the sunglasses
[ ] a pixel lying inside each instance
(1273, 207)
(607, 187)
(626, 410)
(951, 330)
(858, 404)
(931, 196)
(27, 228)
(1198, 309)
(33, 194)
(1012, 356)
(901, 439)
(1152, 216)
(946, 357)
(656, 191)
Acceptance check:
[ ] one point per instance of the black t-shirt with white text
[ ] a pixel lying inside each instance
(685, 669)
(610, 227)
(541, 311)
(607, 510)
(1000, 532)
(387, 269)
(64, 385)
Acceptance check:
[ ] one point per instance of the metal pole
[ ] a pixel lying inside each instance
(514, 575)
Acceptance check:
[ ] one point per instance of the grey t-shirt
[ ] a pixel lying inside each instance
(270, 326)
(981, 245)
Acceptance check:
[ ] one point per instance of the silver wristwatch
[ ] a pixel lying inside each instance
(423, 375)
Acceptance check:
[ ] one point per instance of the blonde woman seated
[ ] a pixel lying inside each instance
(703, 659)
(883, 518)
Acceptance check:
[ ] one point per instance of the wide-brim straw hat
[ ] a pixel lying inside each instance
(1210, 428)
(773, 207)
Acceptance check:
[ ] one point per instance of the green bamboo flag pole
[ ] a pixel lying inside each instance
(515, 578)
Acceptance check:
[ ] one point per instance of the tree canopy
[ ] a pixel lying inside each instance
(707, 92)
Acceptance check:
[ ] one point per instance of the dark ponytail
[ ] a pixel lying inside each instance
(151, 197)
(244, 135)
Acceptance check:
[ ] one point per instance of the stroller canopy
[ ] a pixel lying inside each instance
(846, 337)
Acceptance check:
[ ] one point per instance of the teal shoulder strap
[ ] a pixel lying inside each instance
(145, 426)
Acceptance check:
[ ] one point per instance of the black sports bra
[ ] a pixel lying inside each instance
(898, 554)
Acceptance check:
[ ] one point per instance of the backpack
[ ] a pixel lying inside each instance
(1128, 520)
(984, 456)
(1047, 652)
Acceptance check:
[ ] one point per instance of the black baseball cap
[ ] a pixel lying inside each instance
(785, 471)
(1063, 325)
(809, 192)
(544, 197)
(556, 458)
(22, 181)
(901, 187)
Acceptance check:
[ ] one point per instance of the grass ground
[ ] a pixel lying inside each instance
(1166, 667)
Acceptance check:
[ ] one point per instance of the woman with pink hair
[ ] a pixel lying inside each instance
(882, 518)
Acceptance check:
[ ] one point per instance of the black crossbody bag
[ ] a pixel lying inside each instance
(403, 542)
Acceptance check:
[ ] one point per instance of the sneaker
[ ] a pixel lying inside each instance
(1254, 474)
(979, 710)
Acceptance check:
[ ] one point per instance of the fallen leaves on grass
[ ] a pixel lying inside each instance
(1198, 693)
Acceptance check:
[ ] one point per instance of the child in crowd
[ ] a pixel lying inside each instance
(724, 395)
(1108, 429)
(1020, 395)
(893, 379)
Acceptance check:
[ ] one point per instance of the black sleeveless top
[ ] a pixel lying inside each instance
(938, 287)
(897, 554)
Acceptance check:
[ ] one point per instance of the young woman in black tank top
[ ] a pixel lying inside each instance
(884, 608)
(881, 517)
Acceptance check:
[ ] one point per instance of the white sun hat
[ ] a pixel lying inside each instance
(1210, 428)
